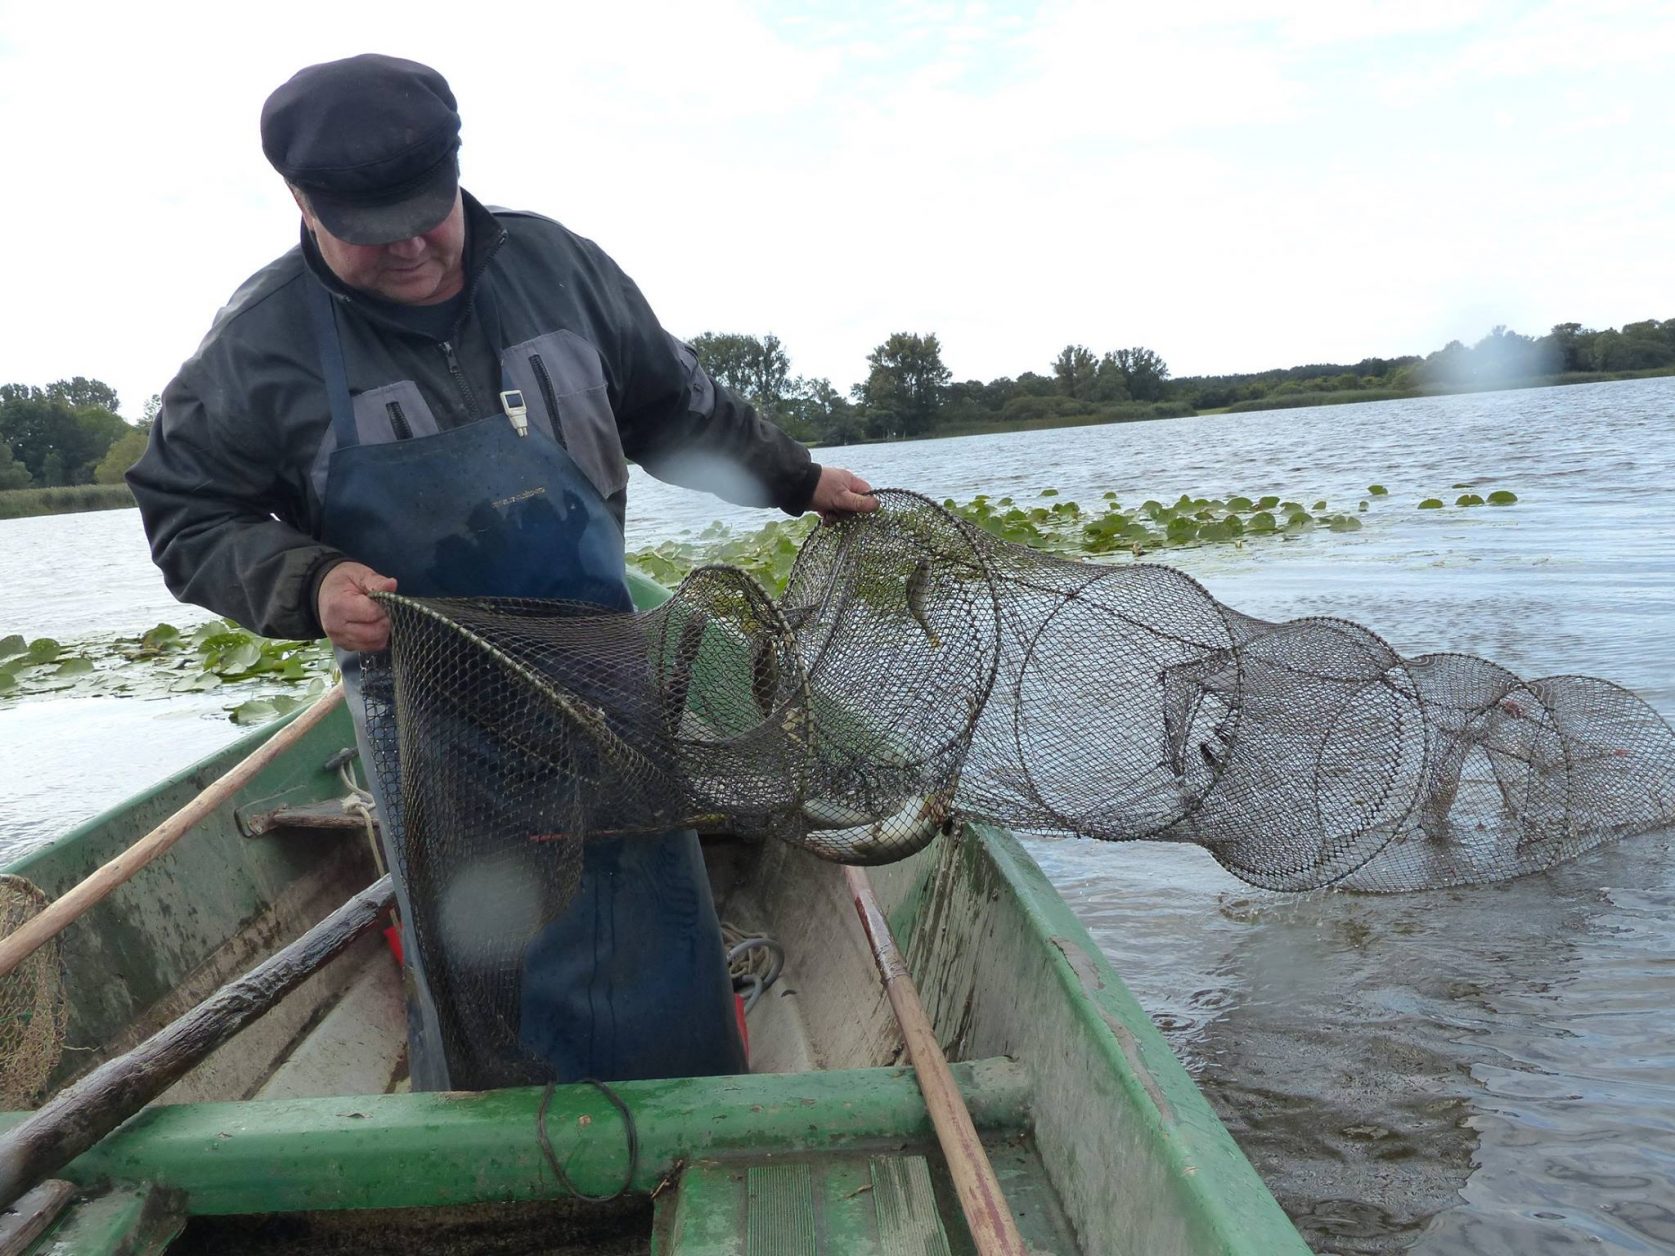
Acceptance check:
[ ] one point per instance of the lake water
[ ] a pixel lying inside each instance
(1485, 1070)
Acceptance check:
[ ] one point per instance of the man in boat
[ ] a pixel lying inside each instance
(430, 395)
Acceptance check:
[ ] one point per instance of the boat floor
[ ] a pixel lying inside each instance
(884, 1199)
(348, 1035)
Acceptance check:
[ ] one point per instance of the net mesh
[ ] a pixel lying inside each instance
(32, 1012)
(917, 668)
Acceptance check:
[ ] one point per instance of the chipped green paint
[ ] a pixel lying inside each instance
(1132, 1146)
(123, 1221)
(405, 1151)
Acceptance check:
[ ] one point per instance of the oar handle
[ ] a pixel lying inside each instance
(993, 1231)
(74, 903)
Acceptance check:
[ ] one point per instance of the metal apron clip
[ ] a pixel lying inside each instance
(511, 401)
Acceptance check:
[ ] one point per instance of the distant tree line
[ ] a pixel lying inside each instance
(66, 433)
(1568, 353)
(908, 390)
(70, 432)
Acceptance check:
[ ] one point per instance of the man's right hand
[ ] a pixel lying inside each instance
(351, 619)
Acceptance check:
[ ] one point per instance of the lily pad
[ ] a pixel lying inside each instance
(256, 711)
(243, 657)
(1500, 497)
(11, 645)
(43, 650)
(196, 683)
(162, 637)
(1377, 490)
(1431, 503)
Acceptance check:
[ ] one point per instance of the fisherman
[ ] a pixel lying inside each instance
(433, 396)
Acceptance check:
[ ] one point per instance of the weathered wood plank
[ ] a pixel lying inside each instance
(79, 1117)
(27, 1219)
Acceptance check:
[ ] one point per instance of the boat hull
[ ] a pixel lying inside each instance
(1102, 1141)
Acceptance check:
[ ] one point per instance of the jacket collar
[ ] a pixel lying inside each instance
(483, 237)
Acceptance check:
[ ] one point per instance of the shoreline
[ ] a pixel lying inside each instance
(73, 499)
(1291, 401)
(25, 503)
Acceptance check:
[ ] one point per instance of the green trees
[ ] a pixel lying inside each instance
(908, 391)
(81, 392)
(1568, 346)
(1143, 372)
(824, 413)
(1136, 374)
(904, 389)
(1499, 358)
(124, 453)
(1643, 346)
(56, 435)
(757, 368)
(13, 474)
(1077, 371)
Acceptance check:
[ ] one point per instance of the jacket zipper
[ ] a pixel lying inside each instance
(398, 421)
(549, 395)
(479, 264)
(463, 384)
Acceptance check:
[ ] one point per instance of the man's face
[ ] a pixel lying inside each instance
(425, 269)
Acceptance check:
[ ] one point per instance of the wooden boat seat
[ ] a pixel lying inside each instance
(263, 818)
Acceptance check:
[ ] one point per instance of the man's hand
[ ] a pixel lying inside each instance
(840, 493)
(351, 619)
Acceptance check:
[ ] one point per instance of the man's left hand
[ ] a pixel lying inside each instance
(841, 493)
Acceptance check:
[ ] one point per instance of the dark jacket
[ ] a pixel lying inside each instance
(231, 485)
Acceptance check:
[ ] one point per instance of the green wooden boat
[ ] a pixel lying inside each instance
(298, 1135)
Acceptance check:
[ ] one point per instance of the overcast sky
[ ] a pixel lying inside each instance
(1237, 184)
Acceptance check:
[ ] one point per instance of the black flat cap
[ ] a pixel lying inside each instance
(372, 141)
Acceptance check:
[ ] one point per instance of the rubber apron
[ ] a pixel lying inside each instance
(630, 981)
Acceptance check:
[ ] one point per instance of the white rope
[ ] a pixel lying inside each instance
(360, 802)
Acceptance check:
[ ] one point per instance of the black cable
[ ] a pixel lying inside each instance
(552, 1159)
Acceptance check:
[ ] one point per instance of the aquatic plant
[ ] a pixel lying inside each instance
(276, 676)
(167, 659)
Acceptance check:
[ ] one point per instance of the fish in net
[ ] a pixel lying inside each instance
(918, 669)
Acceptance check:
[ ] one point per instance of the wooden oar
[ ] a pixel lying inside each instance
(993, 1230)
(71, 905)
(76, 1118)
